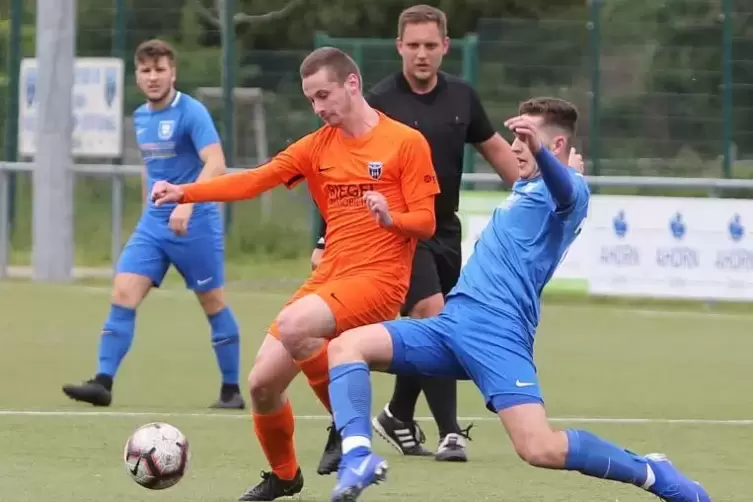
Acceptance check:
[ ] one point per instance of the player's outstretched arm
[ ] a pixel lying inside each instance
(233, 187)
(287, 168)
(556, 177)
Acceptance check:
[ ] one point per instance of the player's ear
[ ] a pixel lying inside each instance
(560, 146)
(445, 45)
(352, 83)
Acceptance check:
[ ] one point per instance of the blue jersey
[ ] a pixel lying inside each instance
(519, 250)
(170, 140)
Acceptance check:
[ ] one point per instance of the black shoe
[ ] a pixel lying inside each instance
(405, 437)
(92, 391)
(272, 487)
(333, 451)
(230, 399)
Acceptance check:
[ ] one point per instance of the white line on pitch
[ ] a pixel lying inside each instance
(489, 418)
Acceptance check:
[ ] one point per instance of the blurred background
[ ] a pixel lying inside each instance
(664, 89)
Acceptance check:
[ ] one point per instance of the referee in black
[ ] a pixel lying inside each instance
(449, 113)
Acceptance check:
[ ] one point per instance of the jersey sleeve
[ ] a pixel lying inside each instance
(418, 178)
(581, 194)
(480, 127)
(287, 168)
(201, 127)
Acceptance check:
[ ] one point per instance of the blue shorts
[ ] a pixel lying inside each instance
(466, 343)
(199, 256)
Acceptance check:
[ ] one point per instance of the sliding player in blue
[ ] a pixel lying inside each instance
(486, 331)
(179, 143)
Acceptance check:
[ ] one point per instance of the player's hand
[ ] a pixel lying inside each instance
(164, 193)
(377, 205)
(576, 161)
(527, 131)
(179, 219)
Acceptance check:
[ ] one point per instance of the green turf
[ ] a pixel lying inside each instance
(595, 361)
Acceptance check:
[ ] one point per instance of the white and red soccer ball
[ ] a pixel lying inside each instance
(156, 456)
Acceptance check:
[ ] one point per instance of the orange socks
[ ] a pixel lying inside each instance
(275, 432)
(316, 369)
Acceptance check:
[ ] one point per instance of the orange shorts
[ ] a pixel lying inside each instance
(354, 301)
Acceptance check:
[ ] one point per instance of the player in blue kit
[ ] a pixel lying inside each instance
(179, 143)
(486, 331)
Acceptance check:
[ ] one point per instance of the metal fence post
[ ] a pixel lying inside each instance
(469, 72)
(13, 70)
(227, 23)
(117, 182)
(594, 37)
(4, 224)
(727, 147)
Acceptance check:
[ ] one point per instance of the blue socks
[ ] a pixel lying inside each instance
(592, 456)
(118, 331)
(117, 336)
(350, 395)
(226, 345)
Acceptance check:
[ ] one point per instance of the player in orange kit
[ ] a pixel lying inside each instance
(374, 183)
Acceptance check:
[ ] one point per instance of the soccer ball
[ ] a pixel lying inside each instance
(156, 456)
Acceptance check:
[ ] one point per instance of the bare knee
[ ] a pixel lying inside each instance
(128, 290)
(542, 449)
(265, 395)
(273, 371)
(304, 325)
(212, 301)
(428, 307)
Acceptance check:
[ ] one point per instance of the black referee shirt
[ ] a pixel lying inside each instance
(449, 116)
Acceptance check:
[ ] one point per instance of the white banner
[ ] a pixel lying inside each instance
(670, 247)
(97, 107)
(475, 212)
(661, 247)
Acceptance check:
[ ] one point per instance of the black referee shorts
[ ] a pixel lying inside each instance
(436, 264)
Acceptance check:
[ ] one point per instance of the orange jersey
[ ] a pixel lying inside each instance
(392, 159)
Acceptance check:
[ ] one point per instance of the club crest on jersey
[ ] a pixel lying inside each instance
(165, 129)
(375, 169)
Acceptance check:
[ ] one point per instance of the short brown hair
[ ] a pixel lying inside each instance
(152, 50)
(422, 14)
(554, 111)
(337, 62)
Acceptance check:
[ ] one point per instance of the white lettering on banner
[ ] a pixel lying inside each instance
(97, 104)
(670, 247)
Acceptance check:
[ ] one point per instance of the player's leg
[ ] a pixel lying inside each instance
(501, 365)
(274, 424)
(354, 302)
(226, 345)
(199, 257)
(404, 347)
(306, 323)
(395, 423)
(442, 394)
(141, 265)
(582, 451)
